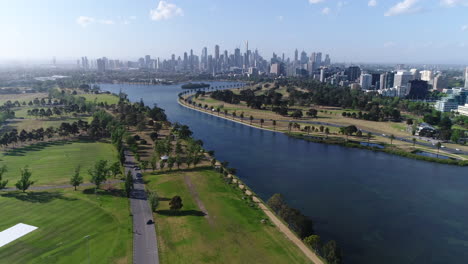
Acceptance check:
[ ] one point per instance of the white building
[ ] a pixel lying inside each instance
(427, 76)
(446, 104)
(402, 78)
(366, 81)
(463, 109)
(466, 77)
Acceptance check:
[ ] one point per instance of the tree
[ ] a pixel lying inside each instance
(144, 165)
(369, 136)
(327, 132)
(153, 162)
(24, 182)
(176, 203)
(331, 252)
(115, 169)
(251, 119)
(313, 241)
(3, 183)
(274, 124)
(76, 179)
(312, 113)
(129, 183)
(392, 137)
(438, 145)
(414, 142)
(154, 200)
(170, 163)
(409, 121)
(276, 202)
(261, 122)
(99, 172)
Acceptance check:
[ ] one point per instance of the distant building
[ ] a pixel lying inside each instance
(466, 77)
(463, 109)
(353, 72)
(101, 66)
(440, 83)
(276, 69)
(446, 104)
(366, 81)
(427, 76)
(418, 89)
(402, 78)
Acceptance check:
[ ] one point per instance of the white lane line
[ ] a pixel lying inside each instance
(15, 232)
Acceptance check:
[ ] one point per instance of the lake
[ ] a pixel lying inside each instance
(380, 208)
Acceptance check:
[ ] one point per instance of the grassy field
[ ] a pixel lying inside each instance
(101, 98)
(64, 218)
(232, 232)
(26, 97)
(54, 163)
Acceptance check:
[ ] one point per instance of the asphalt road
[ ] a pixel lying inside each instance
(145, 245)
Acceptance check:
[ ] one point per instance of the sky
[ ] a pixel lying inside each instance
(374, 31)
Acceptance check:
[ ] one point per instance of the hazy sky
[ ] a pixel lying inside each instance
(420, 31)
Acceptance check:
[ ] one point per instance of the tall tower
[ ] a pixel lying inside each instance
(466, 77)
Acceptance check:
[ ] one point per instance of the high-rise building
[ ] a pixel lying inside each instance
(101, 66)
(322, 74)
(440, 83)
(390, 79)
(296, 56)
(427, 75)
(402, 78)
(418, 89)
(304, 58)
(318, 59)
(466, 77)
(353, 72)
(366, 81)
(327, 61)
(383, 81)
(217, 52)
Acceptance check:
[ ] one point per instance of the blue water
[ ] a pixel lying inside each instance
(379, 207)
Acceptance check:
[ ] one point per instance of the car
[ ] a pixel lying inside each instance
(150, 222)
(457, 149)
(139, 175)
(136, 167)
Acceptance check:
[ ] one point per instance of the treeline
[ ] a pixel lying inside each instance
(303, 226)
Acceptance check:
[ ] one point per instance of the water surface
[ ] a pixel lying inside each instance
(379, 207)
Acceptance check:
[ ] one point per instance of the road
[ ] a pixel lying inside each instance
(145, 245)
(407, 139)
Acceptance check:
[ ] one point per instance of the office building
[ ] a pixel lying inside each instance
(366, 81)
(402, 78)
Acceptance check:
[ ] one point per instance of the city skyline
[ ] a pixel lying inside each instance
(397, 31)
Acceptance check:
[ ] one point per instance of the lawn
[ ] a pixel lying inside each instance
(232, 233)
(64, 218)
(54, 163)
(26, 97)
(101, 98)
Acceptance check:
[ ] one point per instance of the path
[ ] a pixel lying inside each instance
(145, 245)
(195, 196)
(288, 233)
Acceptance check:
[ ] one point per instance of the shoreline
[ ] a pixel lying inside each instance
(401, 153)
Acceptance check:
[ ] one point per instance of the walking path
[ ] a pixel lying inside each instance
(145, 244)
(195, 196)
(288, 233)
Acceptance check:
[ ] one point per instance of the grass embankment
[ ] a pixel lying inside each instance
(64, 218)
(53, 163)
(231, 233)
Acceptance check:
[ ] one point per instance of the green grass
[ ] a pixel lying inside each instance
(235, 233)
(64, 218)
(101, 98)
(54, 163)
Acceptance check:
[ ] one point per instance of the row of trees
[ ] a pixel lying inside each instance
(22, 184)
(303, 226)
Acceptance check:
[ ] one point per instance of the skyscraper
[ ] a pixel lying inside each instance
(296, 56)
(466, 77)
(402, 78)
(366, 81)
(353, 72)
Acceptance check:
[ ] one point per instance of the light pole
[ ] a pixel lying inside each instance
(89, 259)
